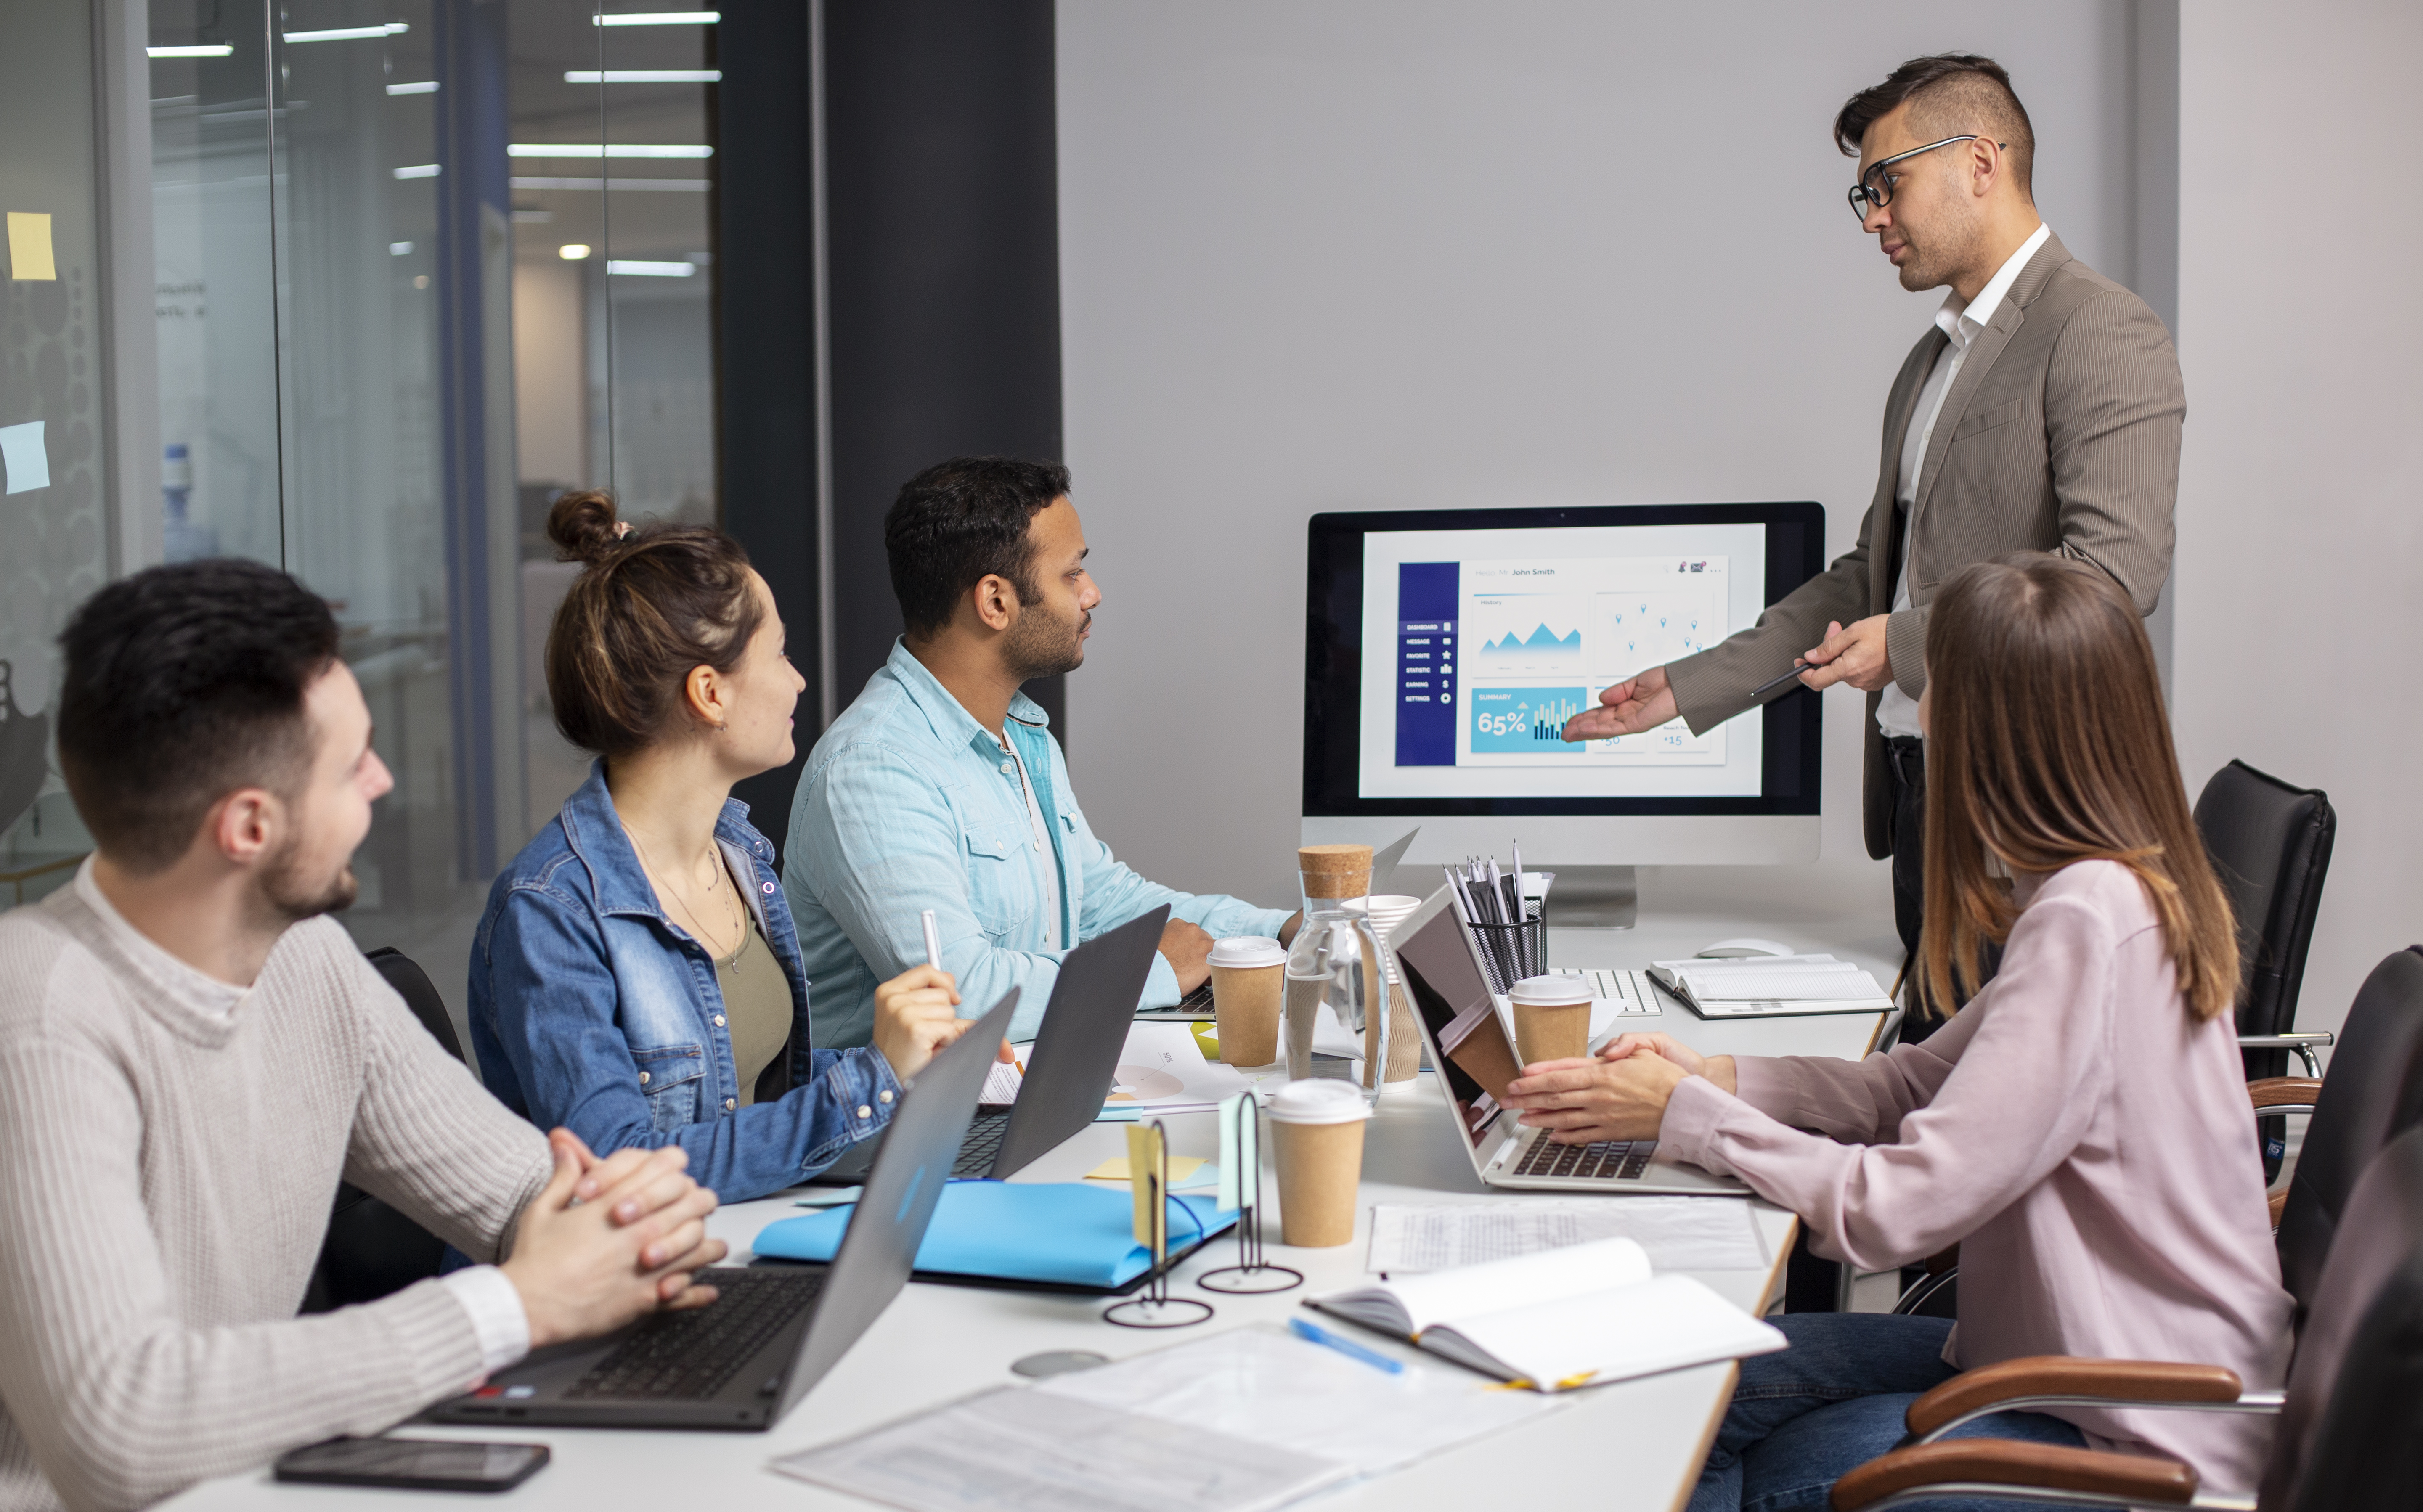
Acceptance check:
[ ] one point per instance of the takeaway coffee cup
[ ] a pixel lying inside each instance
(1248, 978)
(1317, 1127)
(1552, 1017)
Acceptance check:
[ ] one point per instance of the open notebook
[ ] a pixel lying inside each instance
(1560, 1318)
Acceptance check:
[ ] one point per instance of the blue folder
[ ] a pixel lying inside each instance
(1066, 1233)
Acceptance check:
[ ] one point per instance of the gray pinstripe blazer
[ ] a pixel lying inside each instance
(2061, 434)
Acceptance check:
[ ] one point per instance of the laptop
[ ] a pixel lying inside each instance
(1070, 1070)
(1466, 1038)
(744, 1360)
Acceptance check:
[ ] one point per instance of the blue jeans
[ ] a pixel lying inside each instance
(1832, 1402)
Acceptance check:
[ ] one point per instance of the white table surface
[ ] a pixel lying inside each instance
(1628, 1445)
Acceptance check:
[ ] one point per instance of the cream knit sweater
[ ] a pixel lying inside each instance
(165, 1176)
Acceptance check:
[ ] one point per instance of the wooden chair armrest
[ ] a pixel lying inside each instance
(2132, 1380)
(2132, 1478)
(2277, 1201)
(2276, 1092)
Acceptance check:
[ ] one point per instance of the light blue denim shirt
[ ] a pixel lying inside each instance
(907, 804)
(593, 1009)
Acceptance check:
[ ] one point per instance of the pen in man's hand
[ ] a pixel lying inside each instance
(1773, 683)
(933, 942)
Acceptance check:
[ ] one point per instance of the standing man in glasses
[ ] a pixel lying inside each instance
(2040, 412)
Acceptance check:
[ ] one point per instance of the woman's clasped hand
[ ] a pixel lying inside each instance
(1620, 1094)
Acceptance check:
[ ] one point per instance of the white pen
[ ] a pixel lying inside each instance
(933, 942)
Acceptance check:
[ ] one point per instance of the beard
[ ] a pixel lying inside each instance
(294, 895)
(1039, 645)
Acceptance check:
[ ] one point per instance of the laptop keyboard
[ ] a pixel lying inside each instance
(1607, 1161)
(1630, 991)
(982, 1144)
(692, 1356)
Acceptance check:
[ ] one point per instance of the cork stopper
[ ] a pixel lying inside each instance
(1335, 870)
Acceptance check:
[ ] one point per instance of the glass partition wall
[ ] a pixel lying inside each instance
(418, 266)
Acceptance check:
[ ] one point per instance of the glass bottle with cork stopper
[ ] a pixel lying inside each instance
(1335, 971)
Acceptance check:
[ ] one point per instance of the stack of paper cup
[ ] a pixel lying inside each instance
(1248, 975)
(1317, 1127)
(1388, 911)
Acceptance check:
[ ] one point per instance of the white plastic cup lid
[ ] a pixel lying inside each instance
(1319, 1100)
(1248, 949)
(1550, 991)
(1398, 904)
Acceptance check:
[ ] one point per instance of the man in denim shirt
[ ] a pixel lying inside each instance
(940, 787)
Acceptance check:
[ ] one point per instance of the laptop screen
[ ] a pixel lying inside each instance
(1464, 1029)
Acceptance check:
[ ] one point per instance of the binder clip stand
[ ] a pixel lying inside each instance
(1148, 1173)
(1241, 1152)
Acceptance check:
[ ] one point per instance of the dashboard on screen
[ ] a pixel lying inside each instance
(1446, 650)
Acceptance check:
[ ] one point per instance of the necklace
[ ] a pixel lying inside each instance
(658, 875)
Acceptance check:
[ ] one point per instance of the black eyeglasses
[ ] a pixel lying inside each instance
(1875, 191)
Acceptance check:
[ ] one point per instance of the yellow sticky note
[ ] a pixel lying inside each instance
(1207, 1039)
(30, 247)
(1116, 1168)
(1144, 1155)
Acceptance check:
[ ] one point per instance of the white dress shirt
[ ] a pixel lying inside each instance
(488, 1294)
(1897, 711)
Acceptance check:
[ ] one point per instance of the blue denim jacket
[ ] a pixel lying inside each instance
(907, 804)
(592, 1009)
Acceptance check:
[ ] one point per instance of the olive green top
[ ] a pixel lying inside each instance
(757, 1002)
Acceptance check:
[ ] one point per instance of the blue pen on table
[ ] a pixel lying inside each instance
(1313, 1334)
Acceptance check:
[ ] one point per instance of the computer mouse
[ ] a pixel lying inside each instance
(1734, 949)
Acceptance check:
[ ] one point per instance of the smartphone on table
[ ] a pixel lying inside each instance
(413, 1464)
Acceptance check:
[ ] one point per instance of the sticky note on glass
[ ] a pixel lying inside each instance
(29, 250)
(24, 457)
(1117, 1169)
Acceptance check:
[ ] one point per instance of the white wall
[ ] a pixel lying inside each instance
(2301, 512)
(1377, 254)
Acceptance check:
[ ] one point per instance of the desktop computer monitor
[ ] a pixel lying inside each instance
(1445, 649)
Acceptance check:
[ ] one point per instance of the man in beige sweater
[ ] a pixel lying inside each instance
(195, 1056)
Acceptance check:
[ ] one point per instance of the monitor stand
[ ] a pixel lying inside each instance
(1593, 897)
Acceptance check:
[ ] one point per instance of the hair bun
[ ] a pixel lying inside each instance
(581, 524)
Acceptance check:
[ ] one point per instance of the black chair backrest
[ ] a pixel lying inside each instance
(2373, 1093)
(2350, 1436)
(420, 994)
(2272, 844)
(372, 1249)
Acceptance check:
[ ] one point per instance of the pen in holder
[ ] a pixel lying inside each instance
(1513, 951)
(1148, 1178)
(1241, 1187)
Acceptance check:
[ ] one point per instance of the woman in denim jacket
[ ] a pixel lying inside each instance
(635, 978)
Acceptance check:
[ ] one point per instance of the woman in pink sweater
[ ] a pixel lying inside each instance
(2081, 1129)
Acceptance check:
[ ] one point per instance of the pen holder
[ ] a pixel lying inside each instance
(1510, 953)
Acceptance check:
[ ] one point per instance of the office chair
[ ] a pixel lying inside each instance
(2373, 1093)
(2270, 845)
(2350, 1427)
(372, 1249)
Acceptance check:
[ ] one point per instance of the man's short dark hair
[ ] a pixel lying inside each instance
(1948, 93)
(959, 522)
(183, 683)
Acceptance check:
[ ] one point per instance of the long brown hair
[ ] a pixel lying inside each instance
(2046, 743)
(652, 602)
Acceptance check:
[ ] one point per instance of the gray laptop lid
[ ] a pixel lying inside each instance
(1076, 1054)
(889, 1219)
(1458, 1019)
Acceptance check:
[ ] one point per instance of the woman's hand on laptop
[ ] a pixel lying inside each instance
(1717, 1068)
(586, 1267)
(1585, 1099)
(913, 1018)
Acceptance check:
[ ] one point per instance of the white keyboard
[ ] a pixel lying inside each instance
(1630, 991)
